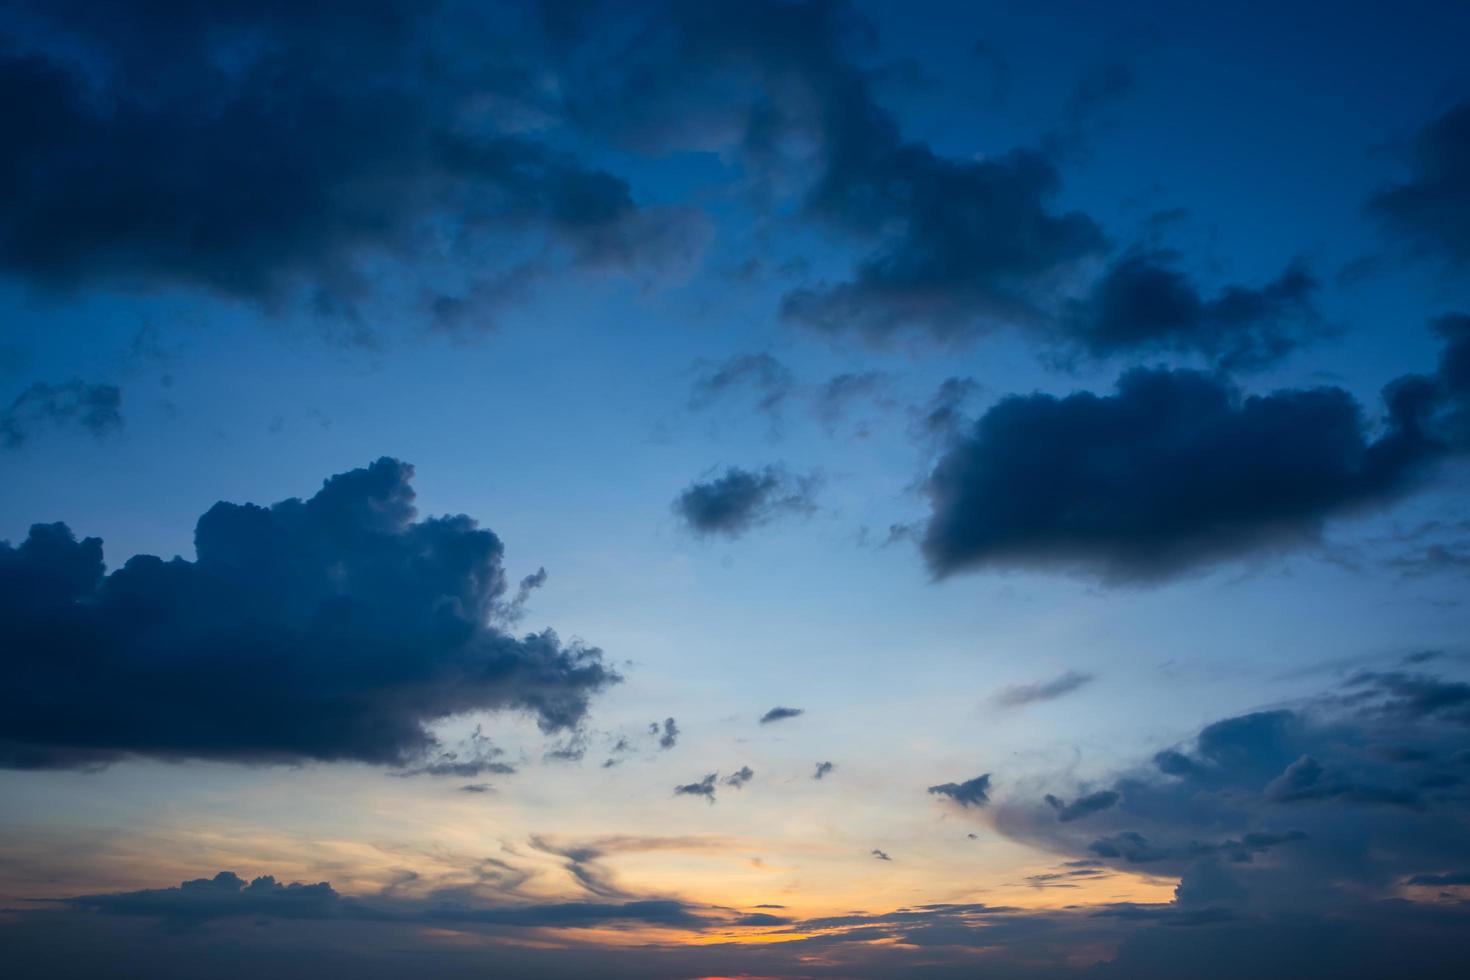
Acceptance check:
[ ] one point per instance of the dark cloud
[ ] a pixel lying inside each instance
(1430, 211)
(738, 778)
(226, 895)
(1144, 303)
(1290, 809)
(1083, 806)
(1177, 470)
(781, 714)
(881, 855)
(668, 735)
(823, 769)
(1023, 694)
(337, 627)
(705, 787)
(739, 499)
(95, 407)
(269, 150)
(973, 243)
(953, 245)
(972, 792)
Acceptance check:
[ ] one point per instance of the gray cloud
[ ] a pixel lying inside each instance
(739, 499)
(1024, 694)
(781, 714)
(972, 792)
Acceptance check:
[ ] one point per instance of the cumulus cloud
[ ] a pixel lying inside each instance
(95, 407)
(1023, 694)
(1177, 469)
(337, 627)
(667, 736)
(972, 792)
(823, 770)
(779, 713)
(1430, 210)
(740, 499)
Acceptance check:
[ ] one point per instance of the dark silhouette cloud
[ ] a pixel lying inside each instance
(739, 499)
(227, 895)
(1177, 470)
(738, 778)
(1023, 694)
(337, 627)
(668, 735)
(1143, 303)
(1430, 210)
(264, 150)
(95, 407)
(823, 770)
(881, 855)
(972, 792)
(781, 714)
(705, 788)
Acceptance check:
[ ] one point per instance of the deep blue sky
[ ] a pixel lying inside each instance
(1063, 405)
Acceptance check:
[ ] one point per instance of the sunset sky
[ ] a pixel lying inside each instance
(767, 489)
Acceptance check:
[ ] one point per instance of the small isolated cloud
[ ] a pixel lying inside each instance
(1022, 694)
(705, 788)
(823, 769)
(781, 714)
(972, 792)
(740, 499)
(740, 777)
(881, 855)
(668, 735)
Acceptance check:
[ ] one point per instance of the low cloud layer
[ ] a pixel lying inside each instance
(337, 627)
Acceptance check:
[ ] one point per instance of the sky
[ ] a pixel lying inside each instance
(766, 489)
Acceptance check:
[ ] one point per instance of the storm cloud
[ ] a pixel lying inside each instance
(337, 627)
